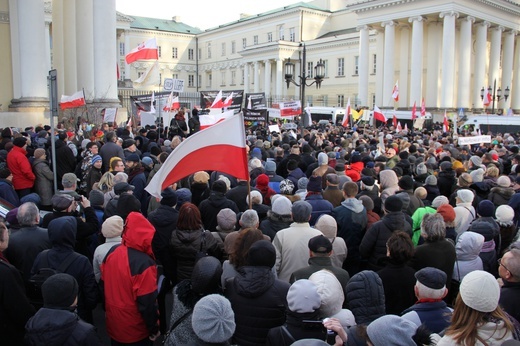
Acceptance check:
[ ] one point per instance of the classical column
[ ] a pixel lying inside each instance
(363, 64)
(416, 72)
(246, 78)
(267, 78)
(448, 58)
(256, 76)
(32, 64)
(507, 65)
(515, 89)
(48, 54)
(479, 67)
(494, 54)
(279, 78)
(57, 43)
(404, 52)
(380, 67)
(432, 64)
(69, 47)
(127, 50)
(388, 61)
(85, 46)
(464, 78)
(105, 55)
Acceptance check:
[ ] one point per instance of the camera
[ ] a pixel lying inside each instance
(78, 198)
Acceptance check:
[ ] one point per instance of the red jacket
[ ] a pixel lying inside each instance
(20, 167)
(129, 279)
(355, 171)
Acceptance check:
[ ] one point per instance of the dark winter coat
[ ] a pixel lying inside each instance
(351, 217)
(434, 315)
(398, 282)
(164, 219)
(414, 204)
(432, 192)
(319, 205)
(446, 182)
(62, 234)
(334, 195)
(297, 329)
(366, 297)
(210, 207)
(185, 244)
(509, 298)
(238, 195)
(65, 161)
(8, 192)
(438, 254)
(373, 244)
(108, 151)
(60, 327)
(501, 195)
(259, 302)
(274, 223)
(294, 176)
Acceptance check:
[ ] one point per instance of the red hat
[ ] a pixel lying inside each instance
(494, 157)
(447, 212)
(262, 180)
(70, 134)
(99, 134)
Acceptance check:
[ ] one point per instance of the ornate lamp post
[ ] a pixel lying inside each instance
(496, 94)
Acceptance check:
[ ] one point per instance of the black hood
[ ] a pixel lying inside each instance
(50, 327)
(62, 231)
(252, 281)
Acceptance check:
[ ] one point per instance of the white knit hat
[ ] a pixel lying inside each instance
(112, 227)
(330, 291)
(465, 195)
(440, 200)
(505, 215)
(504, 181)
(480, 291)
(327, 225)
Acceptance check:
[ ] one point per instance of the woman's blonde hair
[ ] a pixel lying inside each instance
(106, 182)
(465, 322)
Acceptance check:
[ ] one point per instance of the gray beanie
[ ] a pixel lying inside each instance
(270, 166)
(226, 220)
(477, 175)
(431, 180)
(421, 169)
(476, 161)
(96, 198)
(323, 159)
(302, 183)
(213, 319)
(282, 206)
(392, 330)
(440, 200)
(59, 291)
(303, 297)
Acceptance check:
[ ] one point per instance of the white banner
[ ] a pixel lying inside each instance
(474, 140)
(110, 115)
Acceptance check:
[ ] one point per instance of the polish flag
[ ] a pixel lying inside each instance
(398, 128)
(152, 101)
(217, 102)
(75, 100)
(228, 101)
(395, 92)
(208, 120)
(347, 113)
(378, 115)
(423, 108)
(405, 126)
(144, 51)
(487, 98)
(221, 148)
(414, 108)
(394, 121)
(445, 124)
(172, 103)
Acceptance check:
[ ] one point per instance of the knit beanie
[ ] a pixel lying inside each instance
(261, 254)
(314, 184)
(270, 167)
(476, 161)
(393, 204)
(440, 200)
(421, 169)
(431, 180)
(59, 291)
(406, 183)
(219, 186)
(96, 158)
(213, 319)
(96, 198)
(302, 183)
(282, 206)
(112, 227)
(38, 153)
(465, 180)
(327, 225)
(486, 208)
(505, 215)
(391, 330)
(330, 292)
(447, 212)
(226, 220)
(286, 187)
(183, 196)
(205, 277)
(504, 181)
(480, 291)
(126, 204)
(477, 175)
(465, 195)
(169, 197)
(323, 159)
(303, 297)
(19, 142)
(368, 202)
(262, 180)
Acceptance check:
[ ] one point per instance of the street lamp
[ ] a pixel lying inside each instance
(496, 94)
(319, 74)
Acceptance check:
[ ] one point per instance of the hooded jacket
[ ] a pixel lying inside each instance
(210, 207)
(65, 161)
(354, 172)
(164, 219)
(469, 244)
(388, 184)
(62, 234)
(446, 182)
(59, 327)
(319, 205)
(259, 302)
(500, 195)
(20, 167)
(351, 217)
(487, 227)
(373, 244)
(464, 215)
(274, 223)
(129, 280)
(366, 297)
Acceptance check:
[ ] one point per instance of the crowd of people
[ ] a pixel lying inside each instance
(357, 236)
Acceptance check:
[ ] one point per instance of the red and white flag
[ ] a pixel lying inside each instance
(347, 115)
(394, 122)
(152, 101)
(75, 100)
(144, 51)
(398, 128)
(378, 115)
(220, 148)
(395, 92)
(445, 124)
(414, 109)
(228, 101)
(217, 102)
(405, 126)
(423, 108)
(208, 120)
(172, 103)
(487, 98)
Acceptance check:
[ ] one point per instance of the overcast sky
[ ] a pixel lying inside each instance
(203, 14)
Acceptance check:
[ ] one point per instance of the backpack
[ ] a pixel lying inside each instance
(36, 280)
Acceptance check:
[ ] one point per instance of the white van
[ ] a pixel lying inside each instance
(491, 123)
(333, 114)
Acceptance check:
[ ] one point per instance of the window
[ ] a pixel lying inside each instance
(190, 54)
(175, 54)
(310, 70)
(326, 68)
(121, 48)
(292, 35)
(208, 46)
(233, 47)
(191, 81)
(280, 32)
(159, 51)
(255, 39)
(175, 76)
(356, 65)
(223, 48)
(209, 80)
(374, 66)
(244, 42)
(223, 78)
(341, 101)
(233, 77)
(199, 53)
(269, 37)
(341, 66)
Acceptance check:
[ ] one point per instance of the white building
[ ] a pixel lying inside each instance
(444, 51)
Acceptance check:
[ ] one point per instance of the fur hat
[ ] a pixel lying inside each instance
(303, 297)
(480, 291)
(213, 319)
(112, 227)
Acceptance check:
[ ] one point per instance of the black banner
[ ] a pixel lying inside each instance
(142, 102)
(255, 101)
(207, 98)
(255, 117)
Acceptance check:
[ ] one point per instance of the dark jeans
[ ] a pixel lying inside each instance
(23, 192)
(145, 342)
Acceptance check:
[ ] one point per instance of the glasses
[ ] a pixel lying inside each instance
(502, 264)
